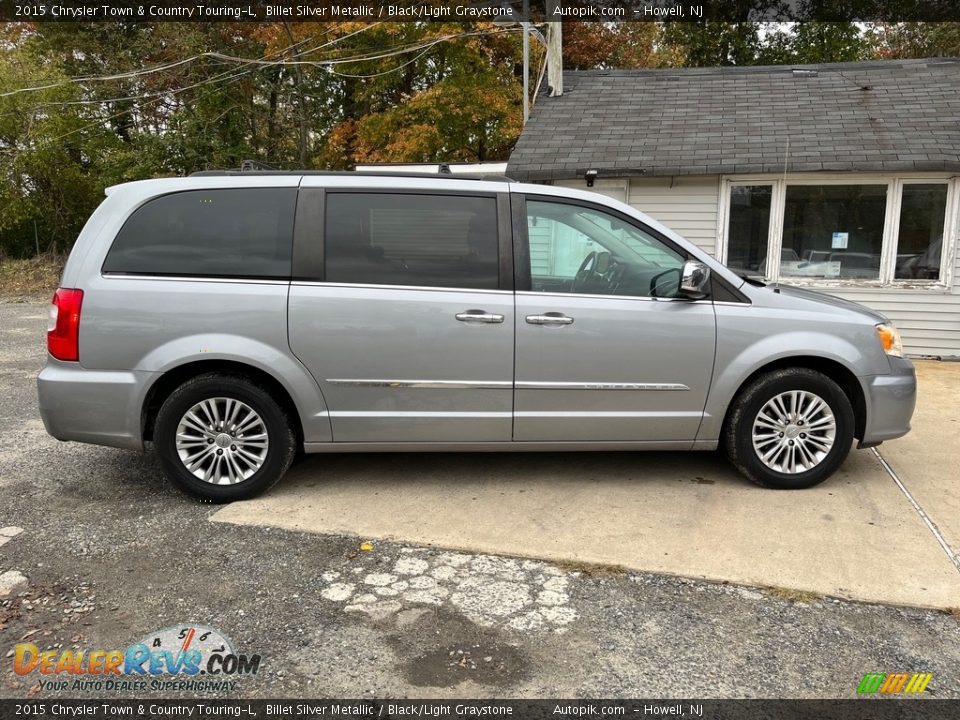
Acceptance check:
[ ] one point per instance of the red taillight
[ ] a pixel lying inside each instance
(63, 330)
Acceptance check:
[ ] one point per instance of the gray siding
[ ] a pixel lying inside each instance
(687, 205)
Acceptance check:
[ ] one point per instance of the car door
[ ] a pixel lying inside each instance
(605, 348)
(402, 309)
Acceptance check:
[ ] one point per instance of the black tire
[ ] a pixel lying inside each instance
(738, 430)
(279, 430)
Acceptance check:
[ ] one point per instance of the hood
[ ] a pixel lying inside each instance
(822, 298)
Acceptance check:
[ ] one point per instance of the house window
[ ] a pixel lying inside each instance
(834, 231)
(920, 247)
(749, 227)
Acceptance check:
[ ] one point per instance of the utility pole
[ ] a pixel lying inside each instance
(302, 111)
(554, 51)
(526, 61)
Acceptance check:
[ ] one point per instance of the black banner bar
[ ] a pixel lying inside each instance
(478, 10)
(286, 709)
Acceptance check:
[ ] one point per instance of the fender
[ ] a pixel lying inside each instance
(734, 365)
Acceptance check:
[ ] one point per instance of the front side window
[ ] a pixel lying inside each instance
(243, 232)
(412, 240)
(920, 246)
(575, 249)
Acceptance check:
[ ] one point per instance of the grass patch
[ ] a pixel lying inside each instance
(805, 597)
(590, 569)
(30, 279)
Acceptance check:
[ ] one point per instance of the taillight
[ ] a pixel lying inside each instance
(63, 330)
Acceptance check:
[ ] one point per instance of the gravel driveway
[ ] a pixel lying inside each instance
(111, 553)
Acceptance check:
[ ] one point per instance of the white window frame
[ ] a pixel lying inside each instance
(891, 225)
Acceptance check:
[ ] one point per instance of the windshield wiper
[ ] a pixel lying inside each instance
(752, 279)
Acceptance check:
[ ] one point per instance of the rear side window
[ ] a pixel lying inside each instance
(244, 232)
(411, 239)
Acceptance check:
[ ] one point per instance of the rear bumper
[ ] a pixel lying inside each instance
(92, 406)
(890, 400)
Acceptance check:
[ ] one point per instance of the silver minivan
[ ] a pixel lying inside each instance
(237, 319)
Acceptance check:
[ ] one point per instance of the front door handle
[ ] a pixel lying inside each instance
(479, 316)
(550, 318)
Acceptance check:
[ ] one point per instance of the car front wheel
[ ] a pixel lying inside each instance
(223, 438)
(789, 429)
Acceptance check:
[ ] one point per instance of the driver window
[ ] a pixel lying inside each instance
(574, 249)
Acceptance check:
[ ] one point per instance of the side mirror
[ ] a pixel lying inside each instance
(694, 280)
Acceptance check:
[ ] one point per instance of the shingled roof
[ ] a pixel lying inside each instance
(877, 116)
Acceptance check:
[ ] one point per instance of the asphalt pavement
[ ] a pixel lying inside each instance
(109, 553)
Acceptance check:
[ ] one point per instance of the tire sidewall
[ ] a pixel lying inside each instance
(280, 441)
(760, 394)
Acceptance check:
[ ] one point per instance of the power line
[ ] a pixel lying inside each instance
(233, 75)
(192, 58)
(425, 47)
(222, 77)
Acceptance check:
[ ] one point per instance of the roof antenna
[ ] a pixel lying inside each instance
(444, 169)
(786, 160)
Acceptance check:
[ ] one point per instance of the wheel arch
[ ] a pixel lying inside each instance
(173, 378)
(836, 371)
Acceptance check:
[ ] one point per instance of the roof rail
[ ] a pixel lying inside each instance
(266, 170)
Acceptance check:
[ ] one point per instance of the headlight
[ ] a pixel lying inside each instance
(890, 339)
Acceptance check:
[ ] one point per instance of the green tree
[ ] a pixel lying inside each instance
(709, 43)
(826, 42)
(46, 151)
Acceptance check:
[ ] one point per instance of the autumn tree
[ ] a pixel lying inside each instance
(626, 45)
(916, 39)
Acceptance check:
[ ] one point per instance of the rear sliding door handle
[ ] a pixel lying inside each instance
(479, 316)
(550, 318)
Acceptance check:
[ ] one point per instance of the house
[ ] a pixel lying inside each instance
(839, 177)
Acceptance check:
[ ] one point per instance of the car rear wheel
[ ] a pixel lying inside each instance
(223, 438)
(789, 429)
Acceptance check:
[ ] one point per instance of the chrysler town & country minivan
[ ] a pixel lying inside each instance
(235, 319)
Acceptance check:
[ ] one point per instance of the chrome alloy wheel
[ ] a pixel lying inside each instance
(794, 431)
(222, 441)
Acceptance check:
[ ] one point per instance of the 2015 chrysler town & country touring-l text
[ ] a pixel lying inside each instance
(233, 319)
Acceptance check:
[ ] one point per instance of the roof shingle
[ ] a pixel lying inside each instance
(887, 115)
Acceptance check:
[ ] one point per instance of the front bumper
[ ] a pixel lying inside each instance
(102, 407)
(890, 400)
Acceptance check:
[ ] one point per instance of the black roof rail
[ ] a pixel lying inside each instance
(353, 173)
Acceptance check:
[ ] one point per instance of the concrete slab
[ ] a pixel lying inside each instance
(926, 459)
(686, 514)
